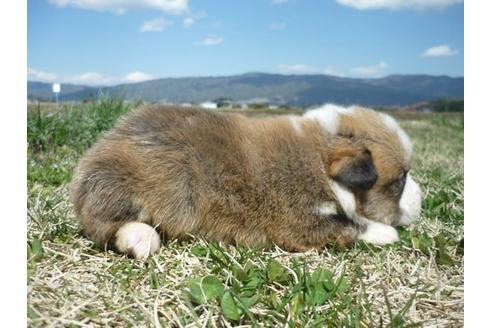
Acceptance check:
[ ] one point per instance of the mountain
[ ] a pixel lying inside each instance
(42, 90)
(298, 90)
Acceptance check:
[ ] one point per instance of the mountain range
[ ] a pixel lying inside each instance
(296, 90)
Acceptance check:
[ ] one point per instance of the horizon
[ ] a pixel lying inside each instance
(111, 43)
(247, 73)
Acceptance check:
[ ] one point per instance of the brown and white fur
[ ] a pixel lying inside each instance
(332, 176)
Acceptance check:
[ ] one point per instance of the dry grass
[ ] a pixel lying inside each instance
(416, 282)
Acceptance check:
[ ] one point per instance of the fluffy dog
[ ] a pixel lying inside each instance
(332, 176)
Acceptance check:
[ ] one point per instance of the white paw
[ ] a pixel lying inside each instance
(379, 233)
(137, 239)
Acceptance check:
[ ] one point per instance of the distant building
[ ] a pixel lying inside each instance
(419, 107)
(423, 106)
(208, 105)
(223, 102)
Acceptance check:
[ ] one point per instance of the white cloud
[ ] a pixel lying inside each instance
(210, 41)
(398, 4)
(155, 25)
(120, 6)
(333, 72)
(371, 70)
(90, 78)
(277, 26)
(192, 18)
(307, 69)
(295, 68)
(188, 22)
(439, 51)
(136, 76)
(36, 75)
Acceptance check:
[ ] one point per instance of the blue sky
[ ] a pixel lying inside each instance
(118, 41)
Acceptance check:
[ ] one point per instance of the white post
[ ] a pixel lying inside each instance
(56, 90)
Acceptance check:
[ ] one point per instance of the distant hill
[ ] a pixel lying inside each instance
(298, 90)
(41, 90)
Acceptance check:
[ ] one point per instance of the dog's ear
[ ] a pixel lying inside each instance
(351, 165)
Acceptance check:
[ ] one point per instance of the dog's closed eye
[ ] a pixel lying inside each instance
(396, 185)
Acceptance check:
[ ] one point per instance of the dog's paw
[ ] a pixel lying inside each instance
(379, 234)
(137, 239)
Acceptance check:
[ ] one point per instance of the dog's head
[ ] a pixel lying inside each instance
(369, 164)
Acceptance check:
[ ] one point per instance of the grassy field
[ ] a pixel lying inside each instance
(417, 282)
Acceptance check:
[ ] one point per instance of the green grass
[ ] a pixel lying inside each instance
(417, 282)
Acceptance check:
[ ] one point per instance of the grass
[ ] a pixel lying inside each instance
(417, 282)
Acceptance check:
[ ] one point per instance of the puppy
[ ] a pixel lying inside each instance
(332, 176)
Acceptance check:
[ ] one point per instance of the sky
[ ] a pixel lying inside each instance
(108, 42)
